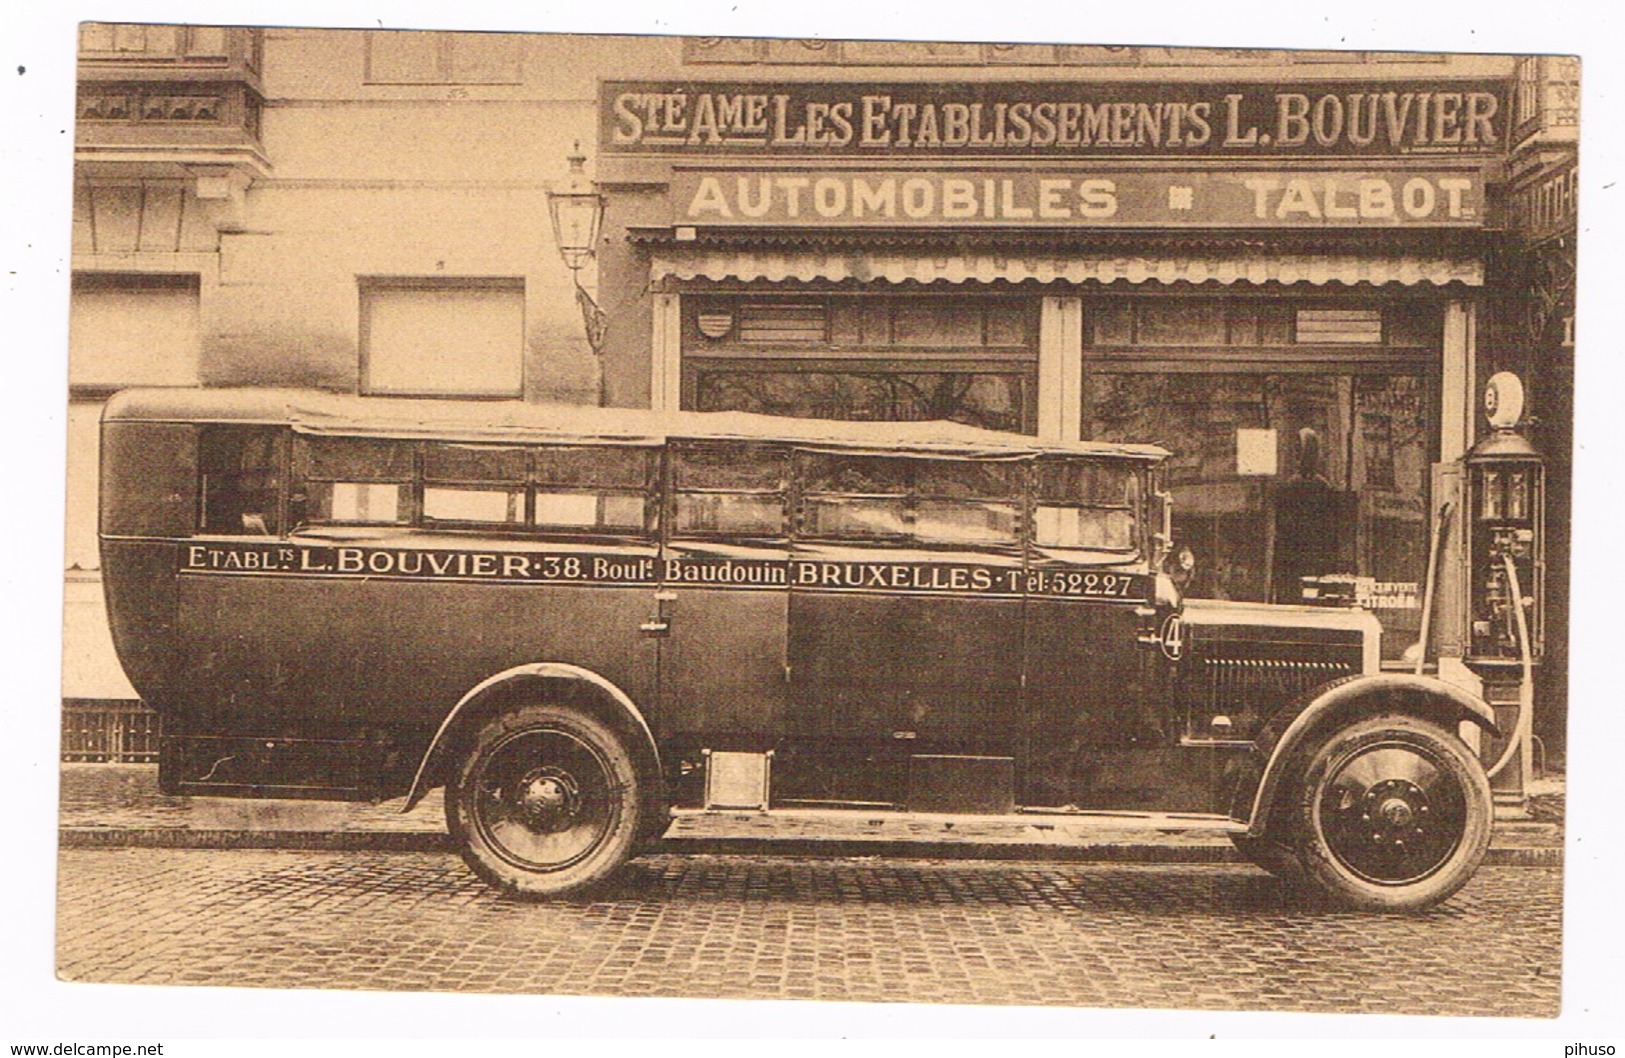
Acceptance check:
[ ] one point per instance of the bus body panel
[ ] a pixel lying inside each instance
(1096, 727)
(932, 670)
(723, 665)
(138, 579)
(384, 650)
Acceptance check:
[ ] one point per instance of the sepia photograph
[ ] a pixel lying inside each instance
(848, 519)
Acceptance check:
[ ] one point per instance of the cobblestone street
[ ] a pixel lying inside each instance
(1188, 936)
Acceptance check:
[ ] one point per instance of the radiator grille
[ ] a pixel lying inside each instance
(1258, 686)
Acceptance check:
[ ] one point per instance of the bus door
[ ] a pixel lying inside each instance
(722, 606)
(905, 606)
(1094, 733)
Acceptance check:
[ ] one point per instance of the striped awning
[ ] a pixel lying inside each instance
(721, 264)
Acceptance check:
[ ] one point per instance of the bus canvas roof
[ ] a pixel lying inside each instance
(497, 421)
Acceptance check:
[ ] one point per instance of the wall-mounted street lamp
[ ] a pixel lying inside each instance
(577, 212)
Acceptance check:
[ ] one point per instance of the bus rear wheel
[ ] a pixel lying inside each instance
(545, 802)
(1395, 814)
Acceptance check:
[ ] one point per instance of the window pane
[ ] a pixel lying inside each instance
(1108, 530)
(1340, 326)
(609, 467)
(968, 479)
(350, 501)
(241, 470)
(742, 466)
(133, 330)
(1176, 322)
(1412, 323)
(991, 401)
(444, 339)
(936, 324)
(1084, 482)
(751, 515)
(853, 475)
(453, 462)
(856, 519)
(622, 512)
(567, 508)
(779, 321)
(959, 522)
(353, 459)
(502, 506)
(1111, 323)
(1006, 324)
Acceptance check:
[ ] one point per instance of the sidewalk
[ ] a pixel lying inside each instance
(118, 805)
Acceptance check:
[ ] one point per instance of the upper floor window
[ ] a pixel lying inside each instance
(134, 41)
(439, 57)
(442, 337)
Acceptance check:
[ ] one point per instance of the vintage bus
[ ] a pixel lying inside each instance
(583, 621)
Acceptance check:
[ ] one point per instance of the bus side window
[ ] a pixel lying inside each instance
(354, 480)
(950, 502)
(971, 502)
(602, 487)
(479, 484)
(241, 471)
(1079, 503)
(729, 488)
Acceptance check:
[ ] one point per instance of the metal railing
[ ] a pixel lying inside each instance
(108, 732)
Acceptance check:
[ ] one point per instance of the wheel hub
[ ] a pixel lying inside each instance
(548, 799)
(1394, 810)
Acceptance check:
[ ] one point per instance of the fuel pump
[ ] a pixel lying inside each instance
(1504, 508)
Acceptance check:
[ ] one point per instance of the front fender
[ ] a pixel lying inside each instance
(1289, 732)
(423, 781)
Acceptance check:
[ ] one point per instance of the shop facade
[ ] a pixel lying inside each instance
(1280, 281)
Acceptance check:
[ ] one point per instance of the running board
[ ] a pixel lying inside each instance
(1037, 819)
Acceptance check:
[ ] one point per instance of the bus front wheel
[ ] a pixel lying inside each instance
(1395, 814)
(545, 801)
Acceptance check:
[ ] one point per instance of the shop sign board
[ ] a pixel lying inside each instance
(1077, 198)
(1053, 119)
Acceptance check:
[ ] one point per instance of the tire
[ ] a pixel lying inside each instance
(545, 802)
(1394, 814)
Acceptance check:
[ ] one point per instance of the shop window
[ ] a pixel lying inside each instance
(447, 338)
(991, 400)
(909, 501)
(729, 489)
(439, 57)
(972, 360)
(1239, 323)
(241, 470)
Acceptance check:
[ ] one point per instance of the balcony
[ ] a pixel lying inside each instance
(169, 101)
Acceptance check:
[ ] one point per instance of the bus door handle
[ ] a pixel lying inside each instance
(659, 626)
